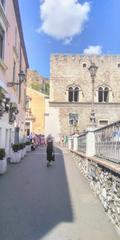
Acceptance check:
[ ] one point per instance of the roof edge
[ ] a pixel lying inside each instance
(19, 23)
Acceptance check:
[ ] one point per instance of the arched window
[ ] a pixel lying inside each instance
(106, 94)
(70, 94)
(103, 94)
(100, 94)
(73, 94)
(76, 94)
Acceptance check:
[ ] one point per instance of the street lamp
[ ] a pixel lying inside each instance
(21, 75)
(92, 69)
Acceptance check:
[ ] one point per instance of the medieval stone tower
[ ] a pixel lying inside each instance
(71, 92)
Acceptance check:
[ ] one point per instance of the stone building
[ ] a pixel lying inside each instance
(71, 92)
(13, 67)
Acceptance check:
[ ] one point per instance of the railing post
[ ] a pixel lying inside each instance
(70, 143)
(75, 143)
(90, 143)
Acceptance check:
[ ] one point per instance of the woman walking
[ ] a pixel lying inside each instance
(49, 149)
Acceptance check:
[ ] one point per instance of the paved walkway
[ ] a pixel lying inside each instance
(55, 203)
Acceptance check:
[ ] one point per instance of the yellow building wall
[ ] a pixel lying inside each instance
(37, 105)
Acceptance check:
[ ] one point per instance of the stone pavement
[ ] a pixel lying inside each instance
(55, 203)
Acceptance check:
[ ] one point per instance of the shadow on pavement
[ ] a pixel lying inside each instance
(34, 198)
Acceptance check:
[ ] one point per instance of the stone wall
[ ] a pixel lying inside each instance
(110, 112)
(105, 183)
(72, 70)
(69, 70)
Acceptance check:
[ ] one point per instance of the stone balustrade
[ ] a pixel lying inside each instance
(97, 154)
(104, 180)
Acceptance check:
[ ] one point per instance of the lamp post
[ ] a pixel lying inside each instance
(92, 69)
(21, 80)
(21, 76)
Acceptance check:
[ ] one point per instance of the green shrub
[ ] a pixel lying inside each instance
(2, 153)
(16, 147)
(22, 145)
(28, 143)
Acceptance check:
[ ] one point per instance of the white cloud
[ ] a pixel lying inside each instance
(63, 19)
(97, 50)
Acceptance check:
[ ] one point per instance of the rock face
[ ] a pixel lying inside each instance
(37, 82)
(105, 184)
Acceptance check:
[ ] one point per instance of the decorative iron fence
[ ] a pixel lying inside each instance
(82, 142)
(107, 142)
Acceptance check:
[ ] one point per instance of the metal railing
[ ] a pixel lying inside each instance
(82, 142)
(107, 142)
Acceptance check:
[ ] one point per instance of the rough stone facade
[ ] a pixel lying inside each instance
(34, 76)
(72, 71)
(106, 185)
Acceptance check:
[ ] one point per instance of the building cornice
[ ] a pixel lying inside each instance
(82, 104)
(18, 18)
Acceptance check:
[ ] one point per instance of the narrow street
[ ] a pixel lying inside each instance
(55, 203)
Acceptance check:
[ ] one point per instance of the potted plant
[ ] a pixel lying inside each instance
(2, 97)
(3, 161)
(23, 151)
(16, 154)
(28, 146)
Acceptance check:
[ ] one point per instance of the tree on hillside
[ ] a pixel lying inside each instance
(44, 87)
(35, 86)
(47, 88)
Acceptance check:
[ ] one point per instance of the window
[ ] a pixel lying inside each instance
(70, 94)
(27, 104)
(103, 122)
(100, 94)
(73, 119)
(73, 94)
(27, 124)
(2, 35)
(27, 101)
(118, 65)
(76, 94)
(27, 128)
(84, 65)
(106, 93)
(103, 94)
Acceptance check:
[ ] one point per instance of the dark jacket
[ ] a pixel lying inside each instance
(49, 150)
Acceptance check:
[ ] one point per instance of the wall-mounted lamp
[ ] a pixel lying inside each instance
(21, 75)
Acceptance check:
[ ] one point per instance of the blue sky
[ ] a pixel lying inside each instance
(74, 27)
